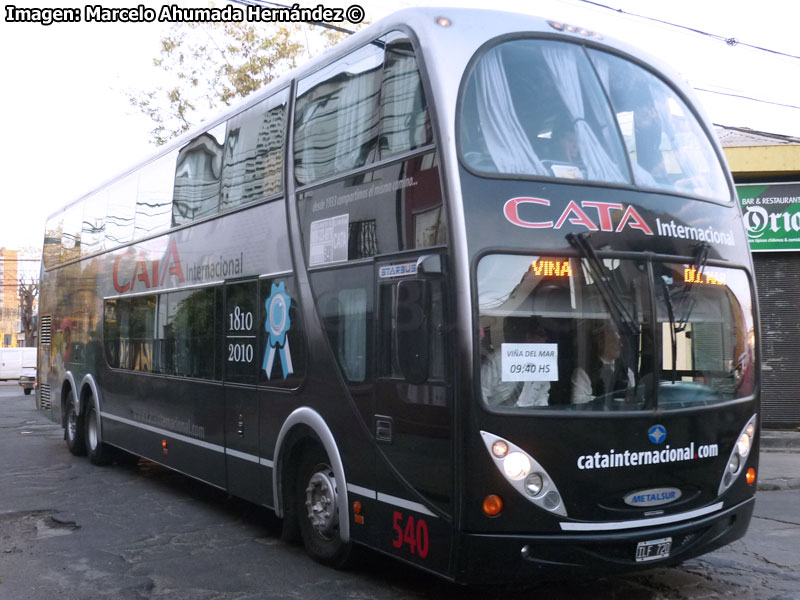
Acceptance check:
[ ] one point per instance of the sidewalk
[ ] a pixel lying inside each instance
(779, 463)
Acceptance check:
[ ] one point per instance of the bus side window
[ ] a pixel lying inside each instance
(364, 107)
(93, 228)
(129, 327)
(336, 118)
(187, 331)
(196, 188)
(253, 160)
(395, 317)
(405, 120)
(154, 196)
(344, 300)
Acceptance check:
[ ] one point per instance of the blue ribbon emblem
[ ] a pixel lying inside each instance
(277, 324)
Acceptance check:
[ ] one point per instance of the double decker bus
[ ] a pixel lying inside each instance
(471, 290)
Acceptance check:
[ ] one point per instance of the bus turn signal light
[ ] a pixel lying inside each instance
(750, 476)
(492, 505)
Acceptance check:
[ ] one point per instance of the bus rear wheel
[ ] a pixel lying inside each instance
(73, 427)
(318, 512)
(99, 453)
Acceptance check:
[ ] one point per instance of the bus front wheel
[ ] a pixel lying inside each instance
(318, 513)
(73, 427)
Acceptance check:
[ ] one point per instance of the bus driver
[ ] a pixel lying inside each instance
(609, 373)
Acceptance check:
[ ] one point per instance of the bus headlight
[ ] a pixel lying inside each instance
(534, 484)
(524, 473)
(500, 449)
(743, 445)
(739, 453)
(733, 466)
(516, 465)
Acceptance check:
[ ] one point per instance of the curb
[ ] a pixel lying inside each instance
(778, 485)
(780, 440)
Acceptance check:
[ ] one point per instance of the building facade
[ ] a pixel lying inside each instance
(9, 298)
(766, 170)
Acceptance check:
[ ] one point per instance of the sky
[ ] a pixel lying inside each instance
(71, 127)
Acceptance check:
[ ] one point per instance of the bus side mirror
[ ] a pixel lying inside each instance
(413, 328)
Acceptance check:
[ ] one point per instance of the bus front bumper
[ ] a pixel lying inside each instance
(521, 560)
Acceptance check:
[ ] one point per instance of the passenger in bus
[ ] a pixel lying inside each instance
(607, 372)
(500, 392)
(565, 142)
(565, 153)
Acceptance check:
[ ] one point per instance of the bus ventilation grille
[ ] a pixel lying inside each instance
(44, 397)
(46, 329)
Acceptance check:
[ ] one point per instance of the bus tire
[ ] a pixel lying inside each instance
(27, 391)
(317, 511)
(73, 427)
(99, 453)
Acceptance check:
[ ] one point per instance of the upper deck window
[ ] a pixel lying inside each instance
(366, 106)
(666, 145)
(540, 108)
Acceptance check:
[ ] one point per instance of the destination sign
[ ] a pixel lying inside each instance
(551, 267)
(706, 277)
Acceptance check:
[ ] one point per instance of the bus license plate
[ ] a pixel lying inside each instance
(653, 549)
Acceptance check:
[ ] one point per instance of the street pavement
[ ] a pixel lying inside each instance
(72, 531)
(779, 463)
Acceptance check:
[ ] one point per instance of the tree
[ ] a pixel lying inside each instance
(213, 64)
(28, 292)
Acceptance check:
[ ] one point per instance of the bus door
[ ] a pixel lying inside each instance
(241, 357)
(413, 421)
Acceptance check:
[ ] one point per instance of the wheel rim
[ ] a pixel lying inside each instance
(72, 423)
(92, 431)
(321, 503)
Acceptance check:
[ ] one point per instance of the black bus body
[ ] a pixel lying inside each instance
(471, 290)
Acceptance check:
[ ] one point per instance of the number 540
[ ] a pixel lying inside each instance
(414, 533)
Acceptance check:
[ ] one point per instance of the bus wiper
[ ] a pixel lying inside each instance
(605, 284)
(689, 291)
(672, 326)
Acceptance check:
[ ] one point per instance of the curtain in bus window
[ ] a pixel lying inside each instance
(345, 303)
(505, 139)
(111, 332)
(667, 146)
(154, 196)
(196, 189)
(336, 119)
(535, 108)
(352, 345)
(405, 122)
(254, 154)
(563, 61)
(357, 120)
(142, 328)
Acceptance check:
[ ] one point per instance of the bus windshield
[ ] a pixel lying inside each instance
(561, 333)
(542, 108)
